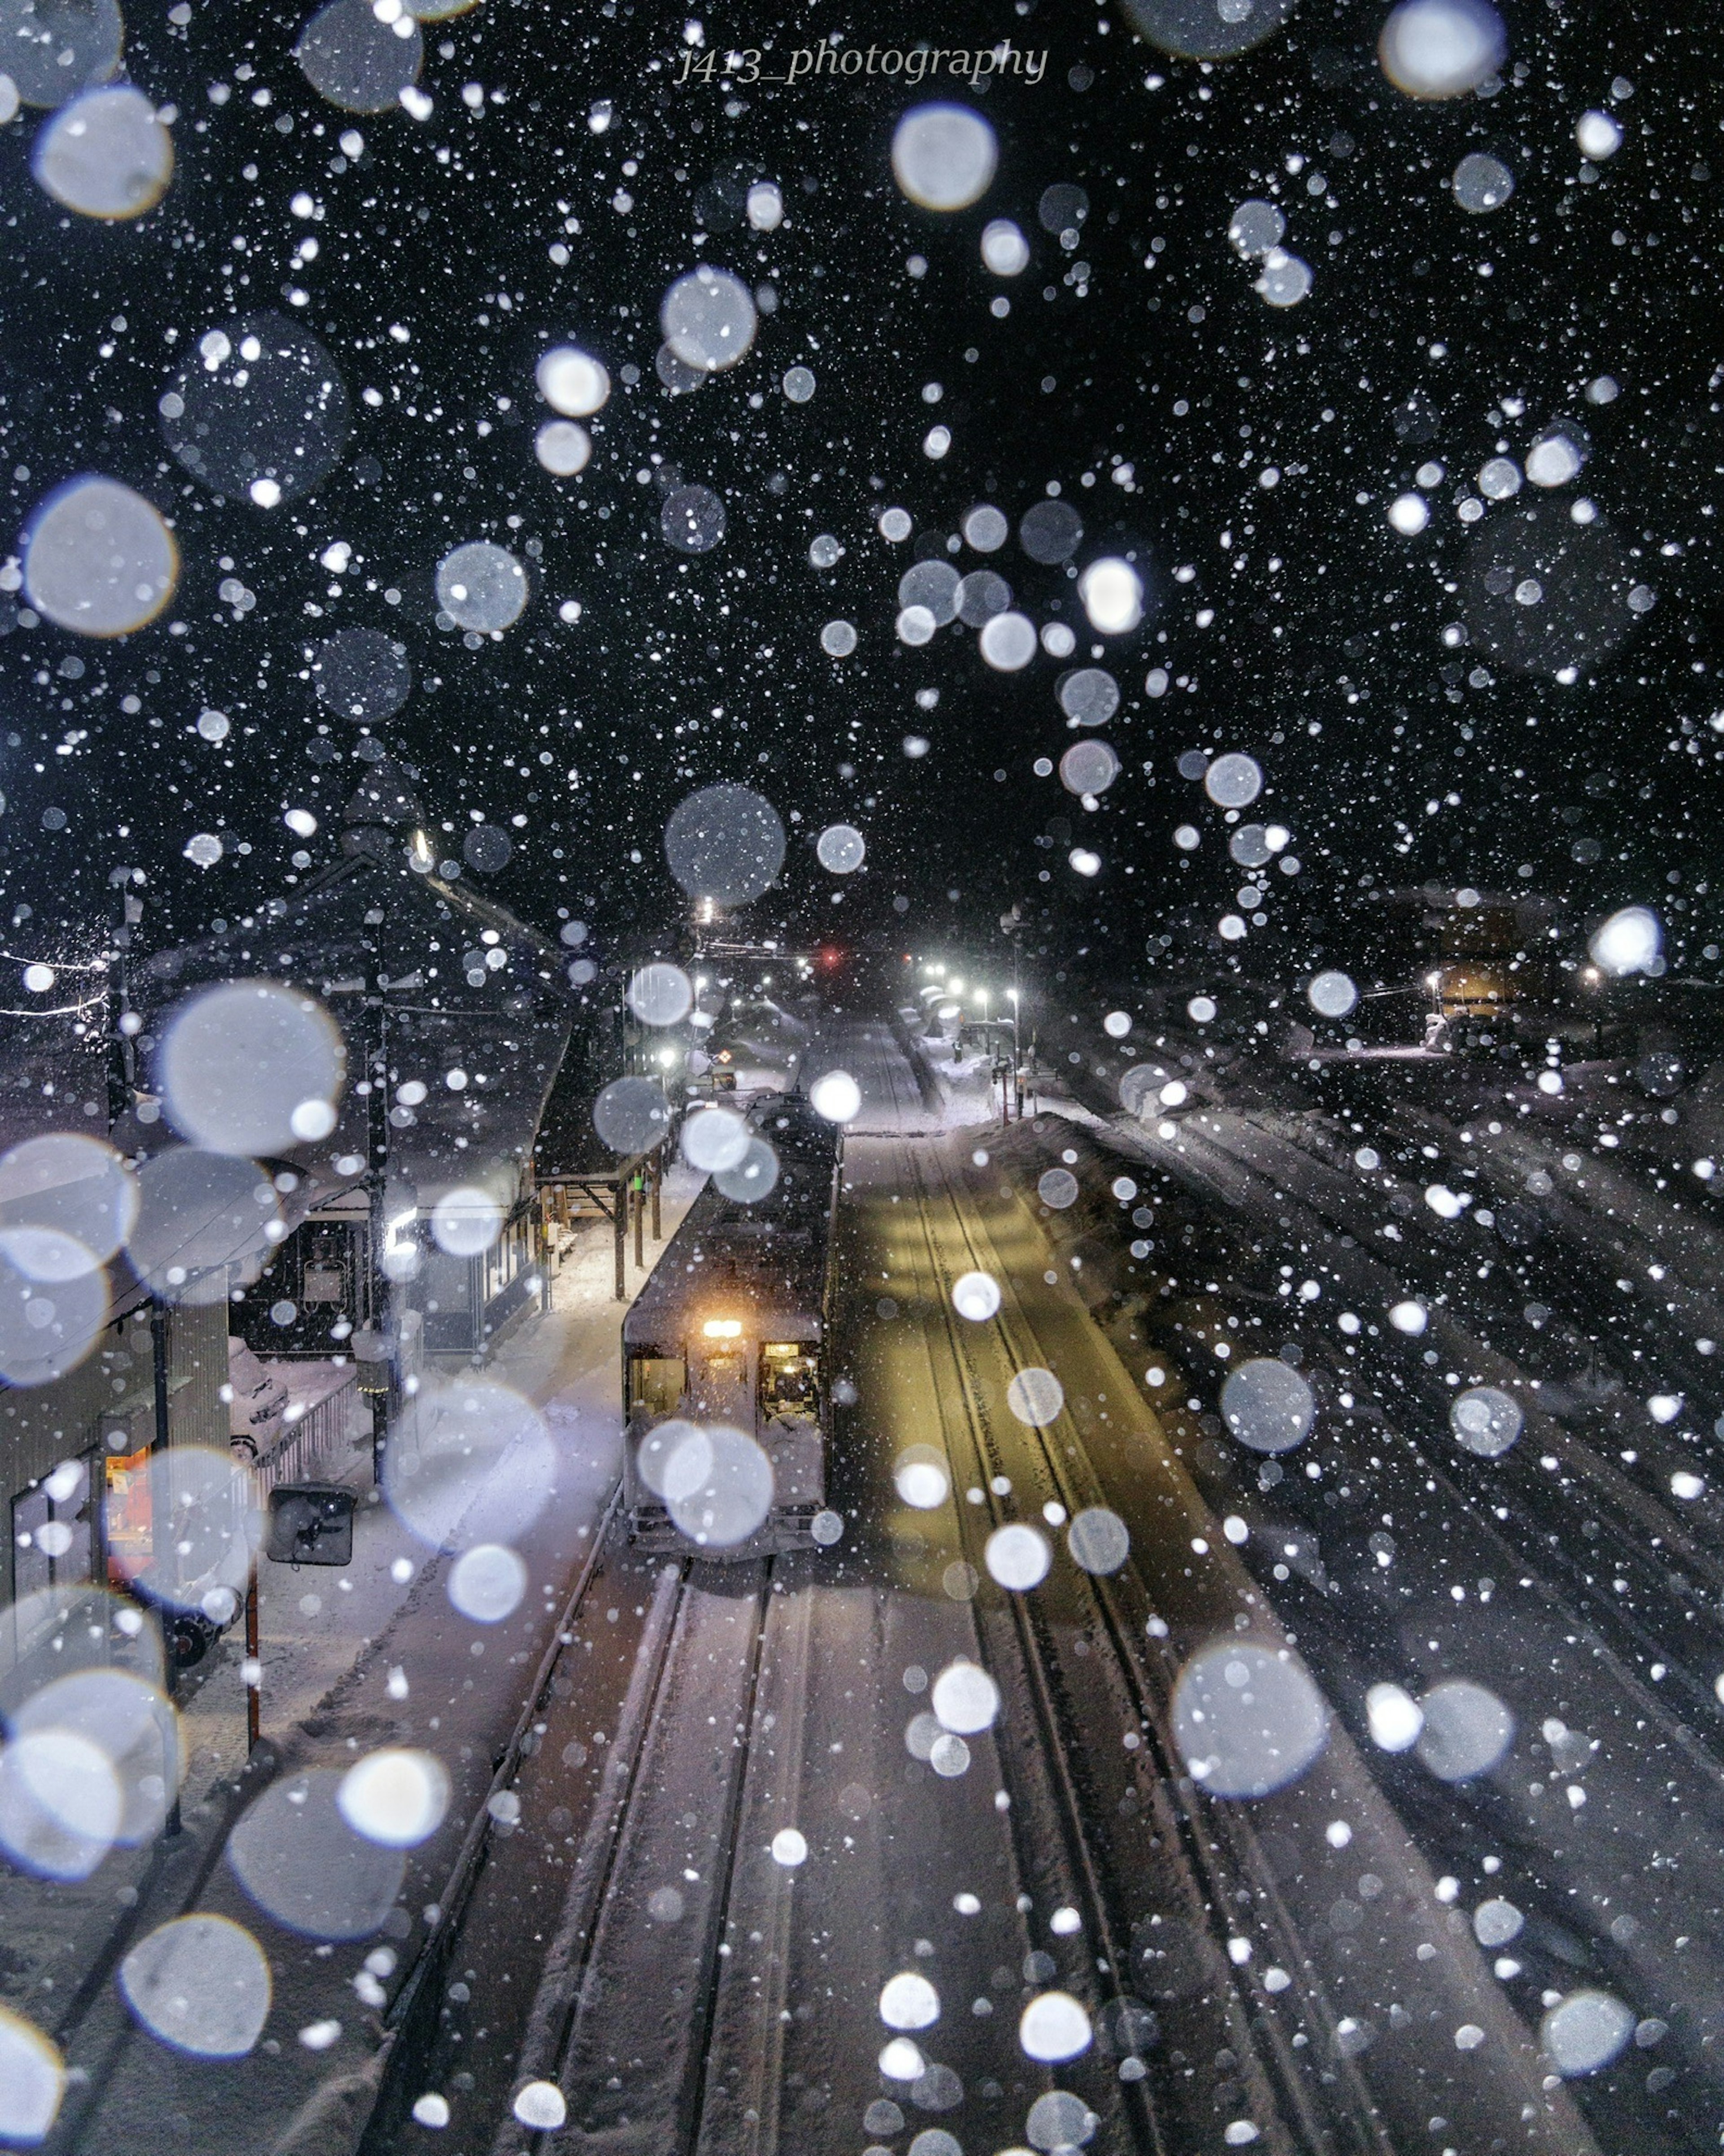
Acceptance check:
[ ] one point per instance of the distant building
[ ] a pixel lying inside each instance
(455, 1018)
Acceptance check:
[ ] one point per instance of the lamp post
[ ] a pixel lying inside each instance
(1434, 1025)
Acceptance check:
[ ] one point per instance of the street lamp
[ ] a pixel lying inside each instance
(1434, 1026)
(984, 997)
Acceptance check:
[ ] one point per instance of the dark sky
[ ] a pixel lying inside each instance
(1143, 345)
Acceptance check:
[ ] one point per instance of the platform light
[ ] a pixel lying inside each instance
(399, 1258)
(722, 1328)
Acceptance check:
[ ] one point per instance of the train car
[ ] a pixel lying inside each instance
(729, 1332)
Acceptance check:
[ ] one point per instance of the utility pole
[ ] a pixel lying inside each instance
(1017, 1009)
(162, 1520)
(122, 1074)
(376, 1177)
(122, 1057)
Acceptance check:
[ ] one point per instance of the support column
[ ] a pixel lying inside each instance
(254, 1685)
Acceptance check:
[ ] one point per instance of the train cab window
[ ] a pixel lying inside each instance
(656, 1383)
(789, 1380)
(721, 1386)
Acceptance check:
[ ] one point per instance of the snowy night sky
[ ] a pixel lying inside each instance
(1243, 455)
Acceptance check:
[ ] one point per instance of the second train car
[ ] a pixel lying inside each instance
(729, 1335)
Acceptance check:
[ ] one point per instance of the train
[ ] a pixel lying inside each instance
(729, 1335)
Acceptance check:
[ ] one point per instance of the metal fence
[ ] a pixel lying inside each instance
(308, 1438)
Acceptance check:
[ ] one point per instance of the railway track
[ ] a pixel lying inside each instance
(1216, 1875)
(1654, 1550)
(641, 1957)
(1288, 1964)
(590, 1948)
(1641, 1575)
(1611, 1800)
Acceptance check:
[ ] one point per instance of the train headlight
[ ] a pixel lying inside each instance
(722, 1328)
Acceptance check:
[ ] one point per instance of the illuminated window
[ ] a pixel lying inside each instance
(789, 1380)
(656, 1383)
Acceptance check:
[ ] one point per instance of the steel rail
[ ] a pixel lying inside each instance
(1231, 1829)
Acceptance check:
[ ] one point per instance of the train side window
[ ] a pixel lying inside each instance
(789, 1380)
(656, 1383)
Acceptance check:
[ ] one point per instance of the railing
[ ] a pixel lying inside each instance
(307, 1436)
